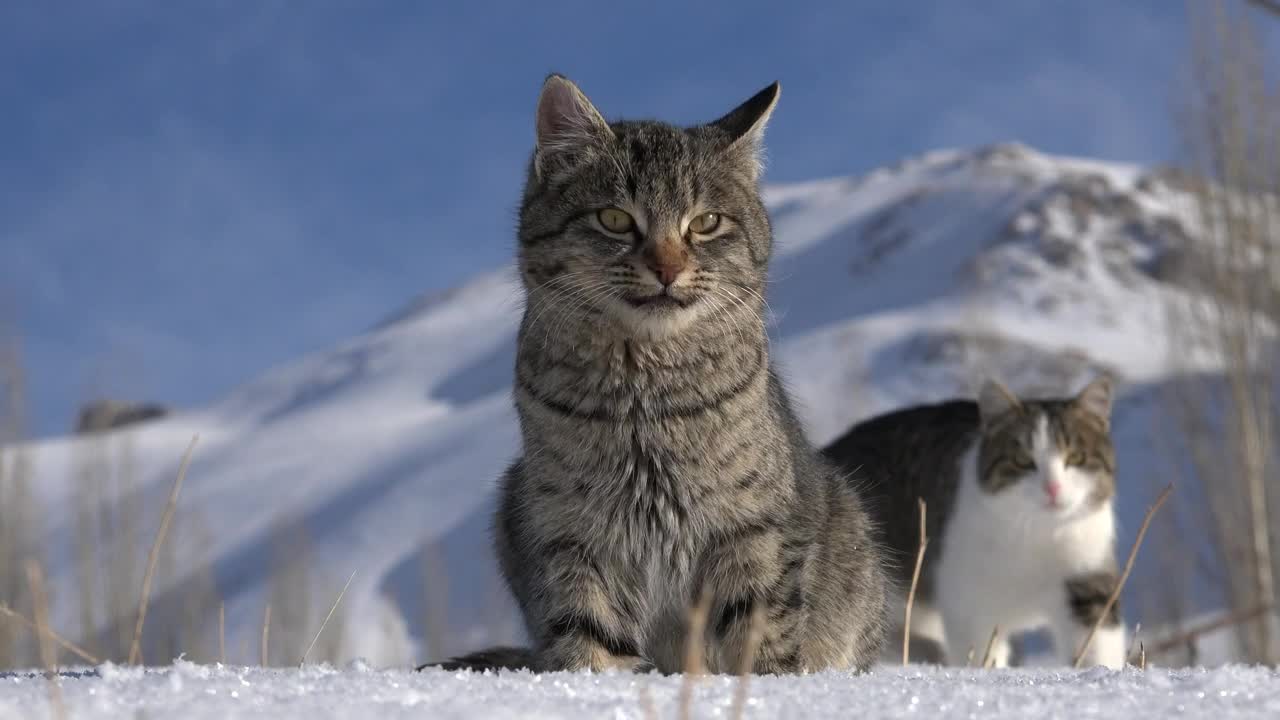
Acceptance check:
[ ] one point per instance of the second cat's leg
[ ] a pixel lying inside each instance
(969, 632)
(1083, 600)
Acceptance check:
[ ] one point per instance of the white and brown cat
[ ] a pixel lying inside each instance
(1020, 515)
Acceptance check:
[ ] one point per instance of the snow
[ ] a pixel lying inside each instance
(193, 692)
(905, 285)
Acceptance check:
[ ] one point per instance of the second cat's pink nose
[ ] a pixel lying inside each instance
(1053, 488)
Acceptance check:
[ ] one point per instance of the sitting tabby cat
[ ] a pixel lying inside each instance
(661, 458)
(1019, 515)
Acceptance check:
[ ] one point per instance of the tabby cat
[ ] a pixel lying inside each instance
(1019, 495)
(661, 458)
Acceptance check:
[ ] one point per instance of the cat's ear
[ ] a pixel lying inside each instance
(745, 124)
(1096, 397)
(994, 400)
(566, 121)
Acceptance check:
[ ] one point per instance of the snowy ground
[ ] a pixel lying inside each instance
(193, 692)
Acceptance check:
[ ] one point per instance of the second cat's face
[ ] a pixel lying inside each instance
(1052, 458)
(654, 227)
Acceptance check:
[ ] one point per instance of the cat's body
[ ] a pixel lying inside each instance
(1003, 551)
(661, 458)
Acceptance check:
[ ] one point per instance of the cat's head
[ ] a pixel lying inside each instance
(1052, 455)
(647, 225)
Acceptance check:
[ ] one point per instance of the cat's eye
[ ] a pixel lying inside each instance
(1076, 459)
(705, 223)
(615, 220)
(1023, 464)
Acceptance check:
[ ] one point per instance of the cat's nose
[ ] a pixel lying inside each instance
(667, 259)
(1053, 487)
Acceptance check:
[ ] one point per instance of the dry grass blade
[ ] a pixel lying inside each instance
(135, 650)
(988, 660)
(1142, 657)
(1133, 644)
(323, 624)
(1128, 567)
(915, 580)
(969, 657)
(646, 702)
(755, 633)
(694, 650)
(48, 654)
(66, 644)
(222, 633)
(266, 632)
(1228, 620)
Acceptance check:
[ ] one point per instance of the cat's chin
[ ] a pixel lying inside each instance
(658, 319)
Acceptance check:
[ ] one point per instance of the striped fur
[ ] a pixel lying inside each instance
(661, 458)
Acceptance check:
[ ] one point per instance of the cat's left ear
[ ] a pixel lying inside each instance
(1096, 397)
(994, 400)
(745, 124)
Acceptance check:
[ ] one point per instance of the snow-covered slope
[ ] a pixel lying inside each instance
(908, 284)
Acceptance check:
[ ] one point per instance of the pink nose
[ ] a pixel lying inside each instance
(1053, 489)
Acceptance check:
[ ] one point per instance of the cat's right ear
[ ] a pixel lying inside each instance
(566, 122)
(744, 125)
(995, 400)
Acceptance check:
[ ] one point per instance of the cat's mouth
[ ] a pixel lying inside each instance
(660, 301)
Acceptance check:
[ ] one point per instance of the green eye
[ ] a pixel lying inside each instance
(705, 223)
(615, 220)
(1075, 459)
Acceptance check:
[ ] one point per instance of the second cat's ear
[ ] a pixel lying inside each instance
(1096, 397)
(994, 400)
(566, 121)
(745, 124)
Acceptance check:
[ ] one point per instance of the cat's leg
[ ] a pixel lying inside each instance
(576, 619)
(757, 601)
(583, 623)
(969, 629)
(1083, 600)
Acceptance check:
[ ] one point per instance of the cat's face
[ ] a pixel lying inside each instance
(652, 227)
(1048, 456)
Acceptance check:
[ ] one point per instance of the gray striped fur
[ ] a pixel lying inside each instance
(661, 456)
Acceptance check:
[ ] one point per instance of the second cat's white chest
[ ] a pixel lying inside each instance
(1008, 558)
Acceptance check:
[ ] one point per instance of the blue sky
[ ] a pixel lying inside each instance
(191, 192)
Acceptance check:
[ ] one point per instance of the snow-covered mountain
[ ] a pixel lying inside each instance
(907, 284)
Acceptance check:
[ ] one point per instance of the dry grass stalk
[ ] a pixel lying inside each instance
(646, 702)
(266, 632)
(1232, 422)
(969, 657)
(694, 651)
(64, 643)
(989, 660)
(1133, 643)
(323, 624)
(135, 650)
(915, 580)
(1142, 657)
(222, 633)
(1229, 619)
(48, 654)
(755, 633)
(1128, 567)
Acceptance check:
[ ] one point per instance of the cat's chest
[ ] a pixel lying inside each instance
(987, 544)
